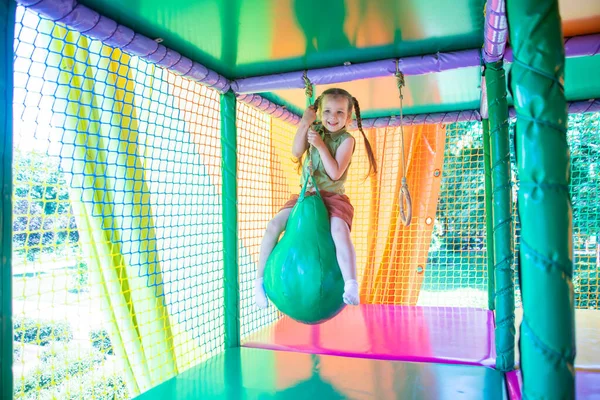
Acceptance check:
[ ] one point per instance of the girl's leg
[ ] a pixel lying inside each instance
(346, 256)
(274, 229)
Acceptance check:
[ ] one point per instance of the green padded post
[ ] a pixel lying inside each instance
(231, 290)
(489, 226)
(495, 80)
(547, 344)
(7, 26)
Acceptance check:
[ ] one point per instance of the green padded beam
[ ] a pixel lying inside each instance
(495, 80)
(489, 226)
(7, 26)
(547, 344)
(229, 201)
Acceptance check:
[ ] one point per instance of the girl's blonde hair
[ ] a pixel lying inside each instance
(352, 106)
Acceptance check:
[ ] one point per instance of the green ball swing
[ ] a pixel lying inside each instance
(302, 276)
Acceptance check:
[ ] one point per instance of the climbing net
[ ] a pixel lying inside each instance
(117, 234)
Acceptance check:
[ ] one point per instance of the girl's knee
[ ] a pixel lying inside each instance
(276, 225)
(339, 230)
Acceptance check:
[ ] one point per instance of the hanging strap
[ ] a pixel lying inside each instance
(405, 214)
(309, 92)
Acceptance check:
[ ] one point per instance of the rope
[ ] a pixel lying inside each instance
(308, 86)
(405, 214)
(308, 91)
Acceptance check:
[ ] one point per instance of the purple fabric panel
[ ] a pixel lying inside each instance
(103, 30)
(87, 21)
(222, 84)
(28, 3)
(52, 9)
(82, 19)
(121, 37)
(578, 46)
(171, 58)
(347, 73)
(200, 72)
(183, 66)
(439, 62)
(141, 46)
(158, 55)
(258, 84)
(587, 384)
(496, 31)
(580, 107)
(273, 109)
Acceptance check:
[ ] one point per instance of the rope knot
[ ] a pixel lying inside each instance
(399, 76)
(308, 86)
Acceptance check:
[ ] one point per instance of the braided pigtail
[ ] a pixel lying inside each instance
(372, 161)
(317, 103)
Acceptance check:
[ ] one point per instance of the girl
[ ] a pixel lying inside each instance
(331, 157)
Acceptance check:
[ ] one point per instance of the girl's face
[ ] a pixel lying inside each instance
(334, 112)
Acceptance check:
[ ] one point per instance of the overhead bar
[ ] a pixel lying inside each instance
(418, 65)
(577, 46)
(575, 107)
(268, 107)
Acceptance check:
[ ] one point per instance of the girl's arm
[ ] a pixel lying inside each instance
(300, 143)
(335, 167)
(300, 139)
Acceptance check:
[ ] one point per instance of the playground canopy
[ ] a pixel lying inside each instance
(151, 145)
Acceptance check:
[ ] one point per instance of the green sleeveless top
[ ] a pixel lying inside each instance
(324, 182)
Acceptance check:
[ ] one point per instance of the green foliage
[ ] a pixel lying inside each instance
(42, 210)
(459, 229)
(461, 206)
(101, 341)
(39, 332)
(57, 364)
(17, 353)
(586, 282)
(583, 137)
(452, 270)
(92, 386)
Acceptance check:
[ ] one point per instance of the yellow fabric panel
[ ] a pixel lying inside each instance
(139, 321)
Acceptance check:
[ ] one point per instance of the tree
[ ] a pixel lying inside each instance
(461, 206)
(42, 217)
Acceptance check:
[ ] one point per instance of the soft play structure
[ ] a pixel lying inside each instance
(147, 144)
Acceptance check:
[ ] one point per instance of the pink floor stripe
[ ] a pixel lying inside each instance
(420, 334)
